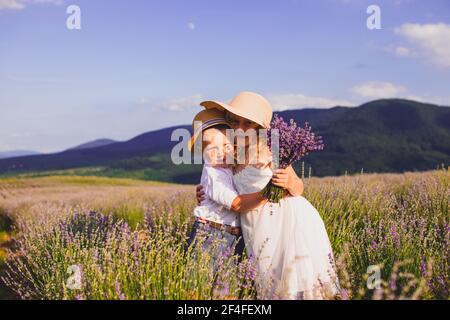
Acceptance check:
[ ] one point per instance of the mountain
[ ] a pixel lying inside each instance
(143, 145)
(390, 135)
(16, 153)
(93, 144)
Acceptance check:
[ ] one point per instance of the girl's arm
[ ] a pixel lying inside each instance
(288, 179)
(247, 202)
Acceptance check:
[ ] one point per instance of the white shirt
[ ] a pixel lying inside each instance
(219, 195)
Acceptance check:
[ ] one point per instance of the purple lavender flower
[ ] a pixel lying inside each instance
(119, 291)
(293, 144)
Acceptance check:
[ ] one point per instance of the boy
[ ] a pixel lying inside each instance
(218, 213)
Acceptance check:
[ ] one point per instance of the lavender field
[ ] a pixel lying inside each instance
(100, 238)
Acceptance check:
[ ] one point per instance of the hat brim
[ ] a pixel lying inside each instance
(195, 136)
(213, 104)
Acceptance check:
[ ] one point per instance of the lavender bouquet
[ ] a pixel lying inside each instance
(293, 143)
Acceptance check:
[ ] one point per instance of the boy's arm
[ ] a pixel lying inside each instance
(221, 190)
(247, 202)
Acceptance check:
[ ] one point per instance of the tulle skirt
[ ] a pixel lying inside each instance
(290, 246)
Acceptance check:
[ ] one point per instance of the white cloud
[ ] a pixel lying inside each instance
(378, 90)
(191, 26)
(400, 2)
(58, 2)
(21, 4)
(433, 40)
(142, 101)
(180, 104)
(175, 104)
(383, 90)
(402, 51)
(21, 134)
(11, 4)
(281, 102)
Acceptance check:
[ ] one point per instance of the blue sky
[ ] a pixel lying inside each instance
(141, 65)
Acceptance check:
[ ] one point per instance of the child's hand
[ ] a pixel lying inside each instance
(200, 194)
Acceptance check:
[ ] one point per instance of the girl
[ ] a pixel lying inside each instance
(288, 239)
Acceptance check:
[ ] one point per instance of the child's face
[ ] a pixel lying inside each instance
(216, 148)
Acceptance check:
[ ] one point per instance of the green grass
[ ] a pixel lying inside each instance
(23, 180)
(67, 172)
(158, 167)
(162, 174)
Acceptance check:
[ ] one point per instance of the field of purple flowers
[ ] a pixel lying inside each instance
(98, 238)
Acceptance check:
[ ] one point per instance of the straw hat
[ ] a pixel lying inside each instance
(248, 105)
(208, 119)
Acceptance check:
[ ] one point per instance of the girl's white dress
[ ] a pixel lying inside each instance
(289, 241)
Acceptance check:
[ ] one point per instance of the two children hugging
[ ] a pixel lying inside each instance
(218, 214)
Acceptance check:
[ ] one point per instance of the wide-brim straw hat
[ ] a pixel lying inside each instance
(246, 104)
(207, 119)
